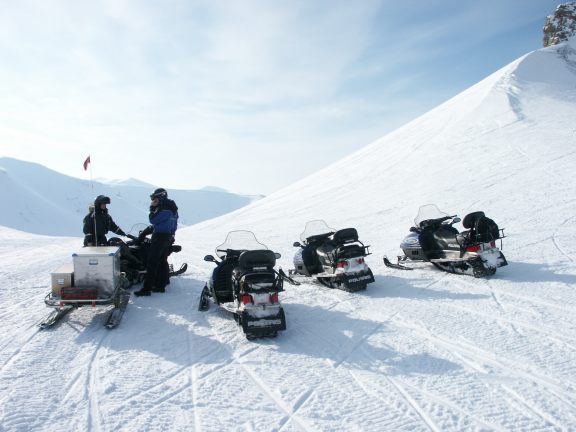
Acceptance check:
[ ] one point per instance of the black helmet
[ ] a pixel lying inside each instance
(159, 193)
(101, 199)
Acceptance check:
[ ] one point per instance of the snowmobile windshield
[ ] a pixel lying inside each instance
(427, 212)
(314, 228)
(239, 241)
(136, 229)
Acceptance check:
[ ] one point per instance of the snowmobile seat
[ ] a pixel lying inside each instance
(470, 219)
(222, 282)
(485, 230)
(346, 235)
(327, 249)
(252, 260)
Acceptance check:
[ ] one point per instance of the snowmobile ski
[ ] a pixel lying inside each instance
(54, 317)
(390, 264)
(287, 278)
(178, 272)
(116, 314)
(204, 303)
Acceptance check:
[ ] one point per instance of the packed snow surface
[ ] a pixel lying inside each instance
(419, 350)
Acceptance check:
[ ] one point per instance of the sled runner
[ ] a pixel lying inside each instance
(94, 280)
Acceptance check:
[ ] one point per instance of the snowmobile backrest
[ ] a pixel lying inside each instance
(346, 235)
(486, 230)
(471, 218)
(257, 260)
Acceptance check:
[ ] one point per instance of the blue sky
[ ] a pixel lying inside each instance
(246, 95)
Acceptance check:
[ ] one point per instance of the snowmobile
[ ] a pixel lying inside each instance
(134, 254)
(434, 239)
(245, 283)
(94, 279)
(334, 257)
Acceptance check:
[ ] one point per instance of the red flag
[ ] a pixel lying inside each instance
(86, 162)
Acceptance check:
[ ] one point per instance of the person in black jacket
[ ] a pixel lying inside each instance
(98, 222)
(164, 219)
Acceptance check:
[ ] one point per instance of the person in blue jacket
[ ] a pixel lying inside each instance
(164, 219)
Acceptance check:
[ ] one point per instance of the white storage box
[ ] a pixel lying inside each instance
(97, 267)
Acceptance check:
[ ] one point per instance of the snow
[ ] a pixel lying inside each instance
(418, 350)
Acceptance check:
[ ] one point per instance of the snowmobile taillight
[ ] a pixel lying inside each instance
(246, 299)
(474, 248)
(360, 260)
(342, 264)
(274, 297)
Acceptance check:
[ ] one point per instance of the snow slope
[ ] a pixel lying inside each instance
(41, 201)
(420, 350)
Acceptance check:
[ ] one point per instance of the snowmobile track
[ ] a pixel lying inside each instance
(288, 411)
(441, 401)
(94, 418)
(417, 408)
(357, 345)
(471, 354)
(18, 350)
(546, 331)
(555, 242)
(192, 375)
(430, 396)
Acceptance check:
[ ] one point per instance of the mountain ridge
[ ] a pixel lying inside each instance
(43, 201)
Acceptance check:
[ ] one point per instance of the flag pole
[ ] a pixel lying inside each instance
(87, 162)
(92, 184)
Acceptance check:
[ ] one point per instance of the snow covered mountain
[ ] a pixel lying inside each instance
(419, 350)
(43, 201)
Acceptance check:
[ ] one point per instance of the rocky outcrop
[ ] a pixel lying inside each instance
(560, 26)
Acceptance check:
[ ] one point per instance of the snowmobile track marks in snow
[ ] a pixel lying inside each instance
(471, 354)
(415, 406)
(555, 242)
(289, 413)
(357, 345)
(18, 350)
(192, 375)
(550, 333)
(94, 418)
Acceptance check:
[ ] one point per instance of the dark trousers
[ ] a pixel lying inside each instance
(157, 263)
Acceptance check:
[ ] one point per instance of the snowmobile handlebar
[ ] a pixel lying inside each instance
(432, 222)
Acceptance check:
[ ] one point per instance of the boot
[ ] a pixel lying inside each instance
(142, 292)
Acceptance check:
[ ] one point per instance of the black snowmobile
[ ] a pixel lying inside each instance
(134, 254)
(434, 239)
(245, 283)
(334, 257)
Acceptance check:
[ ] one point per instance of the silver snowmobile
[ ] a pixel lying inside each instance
(334, 257)
(434, 239)
(245, 283)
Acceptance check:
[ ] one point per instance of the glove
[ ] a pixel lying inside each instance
(121, 233)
